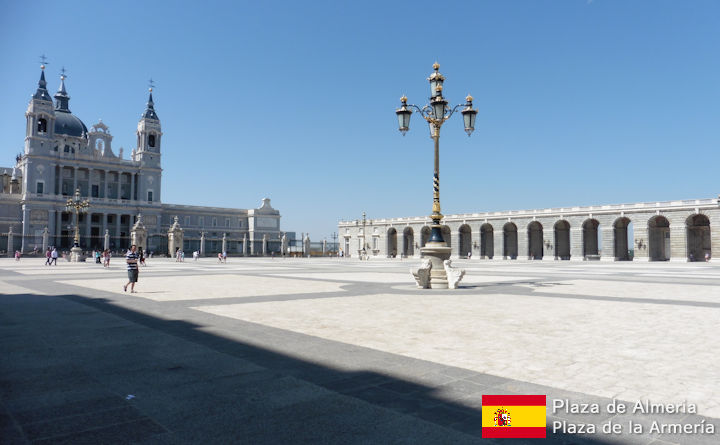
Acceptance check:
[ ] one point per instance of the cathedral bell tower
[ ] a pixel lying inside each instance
(40, 116)
(147, 153)
(149, 136)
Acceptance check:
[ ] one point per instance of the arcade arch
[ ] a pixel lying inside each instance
(590, 237)
(621, 239)
(392, 242)
(562, 240)
(510, 241)
(447, 235)
(487, 247)
(535, 240)
(408, 242)
(424, 235)
(464, 240)
(658, 238)
(698, 237)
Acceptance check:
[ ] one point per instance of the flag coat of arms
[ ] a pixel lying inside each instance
(513, 416)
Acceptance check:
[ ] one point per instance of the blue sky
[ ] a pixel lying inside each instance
(580, 102)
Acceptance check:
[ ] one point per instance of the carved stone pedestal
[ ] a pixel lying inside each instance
(437, 253)
(76, 255)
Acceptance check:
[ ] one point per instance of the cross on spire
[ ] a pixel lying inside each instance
(62, 73)
(43, 61)
(151, 84)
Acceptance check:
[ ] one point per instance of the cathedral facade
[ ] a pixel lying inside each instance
(61, 155)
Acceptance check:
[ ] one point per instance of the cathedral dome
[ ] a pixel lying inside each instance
(67, 124)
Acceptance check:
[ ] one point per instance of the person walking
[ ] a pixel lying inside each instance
(132, 267)
(54, 256)
(106, 258)
(48, 256)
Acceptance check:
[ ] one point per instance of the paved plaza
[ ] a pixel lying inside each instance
(277, 351)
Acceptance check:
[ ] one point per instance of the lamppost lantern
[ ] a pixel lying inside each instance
(436, 80)
(439, 105)
(403, 114)
(469, 114)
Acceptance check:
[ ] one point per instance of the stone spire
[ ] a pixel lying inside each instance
(150, 110)
(61, 97)
(42, 92)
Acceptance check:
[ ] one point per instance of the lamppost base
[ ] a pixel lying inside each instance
(437, 253)
(76, 254)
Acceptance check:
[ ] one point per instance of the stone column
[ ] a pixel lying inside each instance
(678, 242)
(45, 240)
(306, 246)
(106, 244)
(58, 229)
(25, 227)
(202, 244)
(51, 187)
(88, 224)
(105, 183)
(90, 183)
(104, 224)
(576, 243)
(132, 186)
(75, 178)
(324, 247)
(224, 243)
(264, 245)
(10, 245)
(245, 245)
(117, 230)
(251, 240)
(51, 224)
(283, 245)
(608, 243)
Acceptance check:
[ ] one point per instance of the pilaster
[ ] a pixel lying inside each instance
(608, 243)
(678, 242)
(576, 243)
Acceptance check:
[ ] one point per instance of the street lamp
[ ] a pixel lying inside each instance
(436, 114)
(77, 204)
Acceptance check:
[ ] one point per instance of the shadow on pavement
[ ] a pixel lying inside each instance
(82, 370)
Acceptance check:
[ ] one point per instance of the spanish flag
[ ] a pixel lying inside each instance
(513, 416)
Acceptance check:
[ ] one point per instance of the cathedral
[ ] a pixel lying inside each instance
(61, 156)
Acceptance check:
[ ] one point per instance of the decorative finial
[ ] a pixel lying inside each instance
(469, 98)
(43, 62)
(403, 99)
(436, 66)
(151, 85)
(63, 76)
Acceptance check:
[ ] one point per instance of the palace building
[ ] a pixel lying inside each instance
(62, 155)
(685, 230)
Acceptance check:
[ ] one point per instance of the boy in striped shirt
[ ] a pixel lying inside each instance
(132, 267)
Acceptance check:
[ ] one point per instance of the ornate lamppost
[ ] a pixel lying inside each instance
(77, 204)
(436, 114)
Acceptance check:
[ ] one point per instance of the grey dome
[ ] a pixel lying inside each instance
(66, 123)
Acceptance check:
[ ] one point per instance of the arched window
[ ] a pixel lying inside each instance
(151, 140)
(42, 125)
